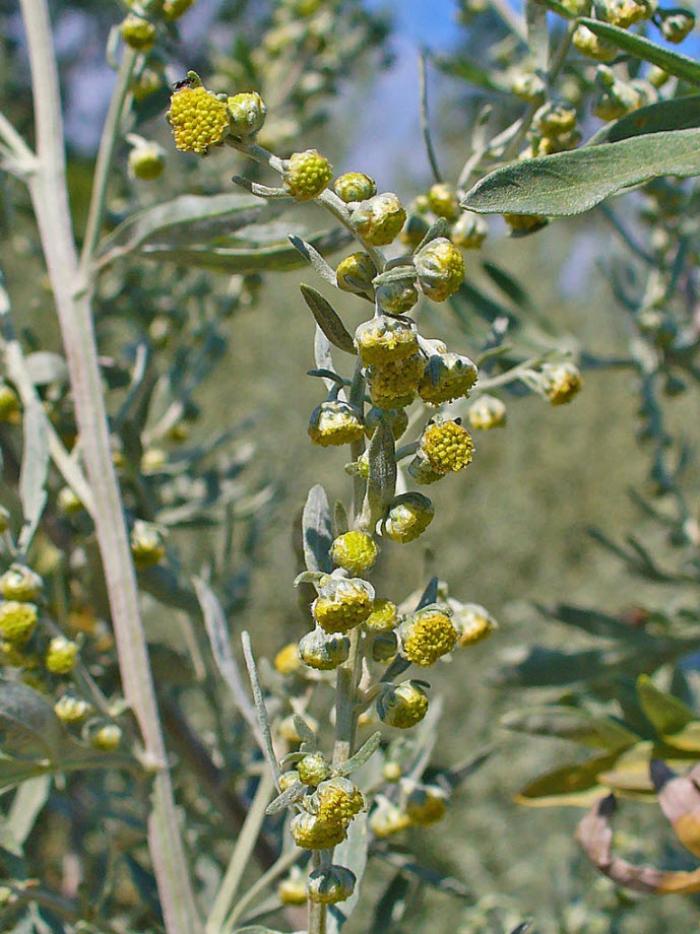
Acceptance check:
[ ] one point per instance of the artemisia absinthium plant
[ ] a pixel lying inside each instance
(360, 635)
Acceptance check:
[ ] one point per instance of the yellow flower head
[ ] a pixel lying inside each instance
(343, 604)
(588, 43)
(61, 656)
(313, 769)
(384, 616)
(555, 119)
(446, 377)
(426, 805)
(486, 413)
(440, 269)
(354, 551)
(470, 231)
(443, 202)
(106, 738)
(17, 621)
(307, 174)
(393, 385)
(379, 219)
(323, 651)
(20, 583)
(287, 660)
(447, 446)
(71, 709)
(388, 819)
(428, 635)
(403, 705)
(335, 423)
(246, 113)
(355, 273)
(199, 120)
(147, 546)
(354, 186)
(383, 340)
(310, 832)
(409, 516)
(337, 799)
(138, 33)
(563, 382)
(473, 623)
(292, 890)
(331, 884)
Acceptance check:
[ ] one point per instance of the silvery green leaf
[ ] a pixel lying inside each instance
(35, 465)
(575, 181)
(304, 731)
(328, 319)
(430, 594)
(45, 367)
(671, 62)
(316, 530)
(28, 725)
(308, 577)
(260, 929)
(351, 853)
(341, 522)
(261, 191)
(363, 754)
(381, 485)
(288, 797)
(312, 256)
(681, 113)
(26, 806)
(439, 229)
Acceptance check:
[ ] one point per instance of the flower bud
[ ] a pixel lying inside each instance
(385, 646)
(657, 77)
(548, 145)
(71, 709)
(524, 223)
(17, 621)
(354, 551)
(588, 43)
(287, 660)
(330, 885)
(199, 120)
(383, 340)
(148, 82)
(106, 738)
(355, 273)
(394, 385)
(379, 219)
(335, 423)
(625, 13)
(409, 516)
(555, 119)
(615, 98)
(470, 231)
(20, 583)
(313, 769)
(443, 202)
(427, 635)
(323, 651)
(174, 9)
(384, 616)
(397, 296)
(69, 502)
(473, 623)
(288, 779)
(440, 269)
(391, 772)
(147, 161)
(337, 799)
(387, 819)
(153, 460)
(354, 186)
(487, 412)
(446, 446)
(395, 418)
(676, 24)
(10, 408)
(138, 33)
(147, 546)
(311, 833)
(402, 705)
(246, 113)
(426, 804)
(61, 655)
(292, 890)
(562, 382)
(307, 174)
(343, 604)
(446, 377)
(528, 87)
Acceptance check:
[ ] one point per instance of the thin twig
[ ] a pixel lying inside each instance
(425, 117)
(259, 701)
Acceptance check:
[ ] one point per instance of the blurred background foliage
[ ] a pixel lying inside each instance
(513, 534)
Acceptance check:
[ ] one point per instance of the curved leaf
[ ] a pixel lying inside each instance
(572, 724)
(28, 725)
(682, 113)
(575, 181)
(666, 713)
(317, 530)
(672, 62)
(328, 319)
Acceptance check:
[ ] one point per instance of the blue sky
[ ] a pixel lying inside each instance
(431, 21)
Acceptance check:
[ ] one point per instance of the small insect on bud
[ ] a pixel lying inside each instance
(588, 43)
(313, 769)
(384, 616)
(443, 201)
(330, 885)
(528, 87)
(383, 340)
(292, 890)
(199, 120)
(355, 273)
(473, 623)
(354, 186)
(676, 24)
(106, 738)
(138, 33)
(402, 705)
(147, 545)
(440, 269)
(470, 231)
(354, 551)
(322, 650)
(521, 224)
(397, 420)
(70, 709)
(287, 660)
(446, 377)
(385, 646)
(415, 228)
(307, 174)
(426, 804)
(61, 656)
(427, 635)
(311, 833)
(20, 583)
(334, 423)
(555, 119)
(10, 409)
(409, 516)
(394, 385)
(445, 447)
(288, 779)
(174, 9)
(487, 412)
(17, 621)
(397, 297)
(562, 382)
(246, 113)
(147, 161)
(343, 604)
(379, 219)
(69, 502)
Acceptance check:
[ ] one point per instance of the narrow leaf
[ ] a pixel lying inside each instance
(288, 797)
(328, 319)
(363, 754)
(28, 725)
(312, 256)
(665, 712)
(681, 113)
(381, 486)
(35, 465)
(316, 530)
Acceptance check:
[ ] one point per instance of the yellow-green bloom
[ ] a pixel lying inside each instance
(588, 43)
(387, 819)
(555, 119)
(138, 33)
(562, 382)
(440, 269)
(71, 709)
(147, 546)
(246, 113)
(61, 656)
(330, 885)
(106, 738)
(323, 651)
(354, 551)
(409, 516)
(311, 833)
(313, 769)
(17, 621)
(335, 423)
(426, 804)
(402, 705)
(355, 273)
(288, 779)
(292, 890)
(397, 297)
(337, 799)
(147, 161)
(443, 201)
(428, 635)
(10, 408)
(446, 377)
(354, 186)
(524, 223)
(473, 623)
(379, 219)
(307, 174)
(487, 412)
(174, 9)
(287, 660)
(446, 446)
(343, 604)
(384, 616)
(394, 384)
(382, 340)
(20, 583)
(199, 120)
(470, 231)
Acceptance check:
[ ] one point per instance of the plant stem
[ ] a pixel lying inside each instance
(285, 862)
(105, 155)
(49, 193)
(425, 119)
